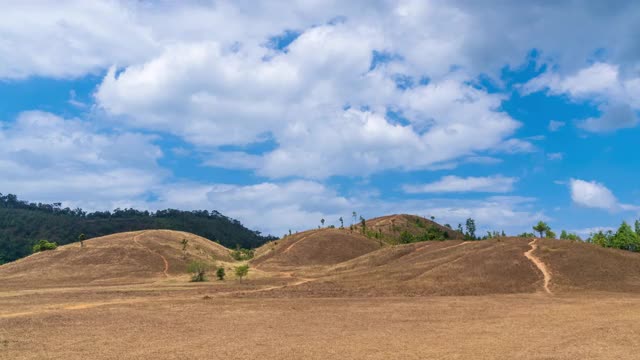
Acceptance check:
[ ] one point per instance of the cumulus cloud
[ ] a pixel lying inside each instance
(556, 125)
(47, 158)
(617, 98)
(489, 184)
(593, 194)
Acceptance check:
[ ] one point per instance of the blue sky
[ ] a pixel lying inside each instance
(282, 114)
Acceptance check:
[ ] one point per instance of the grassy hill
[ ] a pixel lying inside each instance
(124, 258)
(22, 224)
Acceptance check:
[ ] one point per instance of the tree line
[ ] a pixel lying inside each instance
(24, 224)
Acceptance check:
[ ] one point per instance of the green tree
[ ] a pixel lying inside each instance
(406, 237)
(363, 222)
(602, 239)
(322, 222)
(198, 270)
(241, 271)
(471, 229)
(220, 273)
(341, 222)
(81, 239)
(354, 215)
(625, 238)
(549, 234)
(637, 225)
(44, 245)
(541, 228)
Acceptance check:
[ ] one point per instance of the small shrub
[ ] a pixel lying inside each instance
(220, 274)
(198, 270)
(242, 271)
(44, 245)
(242, 254)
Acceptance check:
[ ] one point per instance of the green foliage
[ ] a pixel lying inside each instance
(541, 228)
(44, 245)
(569, 236)
(198, 270)
(241, 271)
(527, 235)
(341, 222)
(22, 222)
(241, 254)
(471, 229)
(220, 273)
(626, 238)
(604, 239)
(549, 234)
(406, 237)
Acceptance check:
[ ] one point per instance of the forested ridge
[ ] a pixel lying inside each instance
(22, 224)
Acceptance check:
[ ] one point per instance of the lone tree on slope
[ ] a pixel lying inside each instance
(241, 271)
(82, 238)
(541, 228)
(322, 222)
(341, 222)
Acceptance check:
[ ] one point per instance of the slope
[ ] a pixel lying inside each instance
(390, 227)
(125, 258)
(315, 247)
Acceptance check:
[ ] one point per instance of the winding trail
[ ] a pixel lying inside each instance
(165, 271)
(539, 264)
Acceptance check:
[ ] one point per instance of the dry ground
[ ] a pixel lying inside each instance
(183, 325)
(127, 297)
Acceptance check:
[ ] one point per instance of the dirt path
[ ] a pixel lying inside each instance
(165, 271)
(539, 264)
(295, 243)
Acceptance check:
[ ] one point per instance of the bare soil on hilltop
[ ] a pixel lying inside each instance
(322, 294)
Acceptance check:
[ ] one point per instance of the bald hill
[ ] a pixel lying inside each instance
(22, 224)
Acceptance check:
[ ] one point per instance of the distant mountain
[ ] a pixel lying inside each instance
(23, 223)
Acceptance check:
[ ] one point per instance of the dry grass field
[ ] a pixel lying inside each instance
(127, 296)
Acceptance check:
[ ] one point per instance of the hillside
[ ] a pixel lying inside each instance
(22, 224)
(315, 247)
(462, 268)
(125, 258)
(391, 227)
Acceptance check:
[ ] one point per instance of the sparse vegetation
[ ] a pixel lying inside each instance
(471, 230)
(541, 228)
(241, 271)
(44, 245)
(198, 270)
(81, 239)
(241, 254)
(220, 273)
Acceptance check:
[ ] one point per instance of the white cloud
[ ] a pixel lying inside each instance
(556, 125)
(490, 184)
(592, 194)
(47, 158)
(555, 156)
(617, 98)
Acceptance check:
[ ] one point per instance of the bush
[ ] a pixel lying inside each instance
(220, 273)
(242, 254)
(198, 270)
(44, 245)
(242, 271)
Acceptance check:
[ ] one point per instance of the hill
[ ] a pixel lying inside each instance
(390, 228)
(125, 258)
(22, 224)
(315, 247)
(460, 268)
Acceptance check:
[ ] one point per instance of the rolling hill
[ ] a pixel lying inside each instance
(22, 224)
(125, 258)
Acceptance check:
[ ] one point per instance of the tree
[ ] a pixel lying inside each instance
(433, 218)
(541, 228)
(625, 238)
(406, 237)
(363, 222)
(460, 228)
(341, 222)
(198, 270)
(322, 222)
(549, 234)
(637, 226)
(242, 271)
(471, 229)
(355, 216)
(601, 238)
(220, 274)
(44, 245)
(82, 238)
